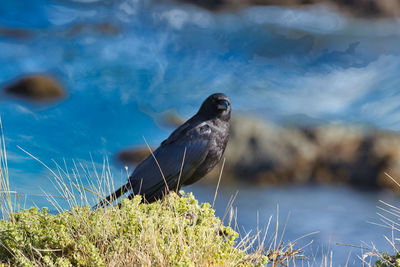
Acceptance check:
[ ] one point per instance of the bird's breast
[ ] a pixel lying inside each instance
(219, 136)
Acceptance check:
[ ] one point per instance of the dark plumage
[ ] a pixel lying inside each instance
(199, 143)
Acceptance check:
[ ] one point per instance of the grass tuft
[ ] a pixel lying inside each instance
(174, 232)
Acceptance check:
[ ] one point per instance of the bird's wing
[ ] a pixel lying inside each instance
(190, 126)
(164, 167)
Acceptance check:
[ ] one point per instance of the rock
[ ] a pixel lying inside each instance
(36, 88)
(360, 8)
(170, 119)
(105, 28)
(261, 152)
(264, 153)
(15, 33)
(132, 156)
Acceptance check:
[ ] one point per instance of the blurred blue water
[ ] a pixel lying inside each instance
(343, 218)
(277, 62)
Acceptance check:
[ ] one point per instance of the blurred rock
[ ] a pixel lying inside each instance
(362, 8)
(16, 34)
(165, 119)
(132, 156)
(169, 119)
(36, 88)
(103, 28)
(264, 153)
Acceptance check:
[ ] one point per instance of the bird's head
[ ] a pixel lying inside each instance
(216, 106)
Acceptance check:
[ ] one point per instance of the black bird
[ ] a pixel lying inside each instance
(189, 153)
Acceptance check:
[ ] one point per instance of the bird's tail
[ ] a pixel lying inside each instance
(106, 201)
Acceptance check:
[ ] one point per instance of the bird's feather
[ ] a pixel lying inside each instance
(165, 165)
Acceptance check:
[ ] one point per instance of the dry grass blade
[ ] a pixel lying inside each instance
(219, 180)
(158, 165)
(180, 171)
(5, 201)
(389, 216)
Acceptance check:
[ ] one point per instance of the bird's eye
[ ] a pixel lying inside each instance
(223, 105)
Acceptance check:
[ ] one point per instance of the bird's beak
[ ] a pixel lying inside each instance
(222, 105)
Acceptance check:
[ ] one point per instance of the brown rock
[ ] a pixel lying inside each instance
(15, 33)
(104, 28)
(36, 88)
(170, 119)
(264, 153)
(133, 156)
(361, 8)
(257, 149)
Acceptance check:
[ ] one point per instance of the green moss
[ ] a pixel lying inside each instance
(173, 232)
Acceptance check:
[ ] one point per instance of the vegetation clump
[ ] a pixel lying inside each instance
(174, 232)
(388, 261)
